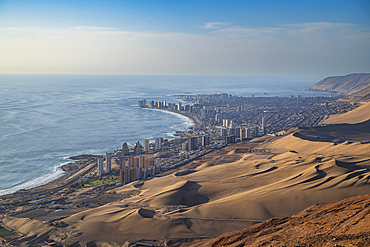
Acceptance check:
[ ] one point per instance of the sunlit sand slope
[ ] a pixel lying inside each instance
(358, 115)
(230, 189)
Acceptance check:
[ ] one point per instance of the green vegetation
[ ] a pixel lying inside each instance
(102, 182)
(5, 232)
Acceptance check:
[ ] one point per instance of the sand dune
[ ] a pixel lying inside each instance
(343, 223)
(232, 189)
(291, 175)
(358, 115)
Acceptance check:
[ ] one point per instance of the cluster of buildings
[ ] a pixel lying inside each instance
(277, 113)
(165, 105)
(230, 129)
(227, 119)
(131, 168)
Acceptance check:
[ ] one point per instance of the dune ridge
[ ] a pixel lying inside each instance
(233, 188)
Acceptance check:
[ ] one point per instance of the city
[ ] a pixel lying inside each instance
(219, 120)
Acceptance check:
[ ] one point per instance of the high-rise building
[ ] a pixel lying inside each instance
(146, 145)
(109, 163)
(125, 149)
(237, 132)
(230, 139)
(158, 144)
(224, 132)
(205, 140)
(192, 143)
(248, 133)
(231, 124)
(136, 162)
(130, 162)
(121, 179)
(242, 134)
(121, 163)
(263, 122)
(141, 161)
(203, 113)
(218, 118)
(137, 148)
(100, 166)
(255, 131)
(184, 146)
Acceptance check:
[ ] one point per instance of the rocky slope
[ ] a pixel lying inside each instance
(345, 223)
(361, 96)
(345, 85)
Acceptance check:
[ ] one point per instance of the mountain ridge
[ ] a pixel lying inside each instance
(345, 85)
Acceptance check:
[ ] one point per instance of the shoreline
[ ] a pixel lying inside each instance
(196, 121)
(71, 168)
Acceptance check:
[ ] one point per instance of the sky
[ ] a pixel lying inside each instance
(241, 38)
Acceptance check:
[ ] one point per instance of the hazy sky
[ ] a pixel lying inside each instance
(270, 38)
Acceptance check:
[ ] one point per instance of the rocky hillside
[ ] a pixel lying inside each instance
(361, 96)
(345, 223)
(345, 85)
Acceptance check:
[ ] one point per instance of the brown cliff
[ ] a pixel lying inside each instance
(345, 85)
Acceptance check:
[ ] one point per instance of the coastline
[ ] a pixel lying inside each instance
(195, 119)
(70, 169)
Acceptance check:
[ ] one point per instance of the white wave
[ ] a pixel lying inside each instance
(57, 172)
(188, 120)
(170, 134)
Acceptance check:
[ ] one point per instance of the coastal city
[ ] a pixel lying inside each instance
(219, 120)
(185, 123)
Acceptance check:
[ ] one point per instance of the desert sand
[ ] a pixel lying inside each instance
(230, 189)
(343, 223)
(358, 115)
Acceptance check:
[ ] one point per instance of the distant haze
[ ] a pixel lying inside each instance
(67, 39)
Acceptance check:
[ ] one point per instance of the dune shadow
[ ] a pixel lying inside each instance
(337, 133)
(184, 172)
(146, 213)
(265, 171)
(187, 194)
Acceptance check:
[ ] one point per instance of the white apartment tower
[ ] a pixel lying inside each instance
(158, 144)
(109, 163)
(125, 149)
(248, 133)
(146, 145)
(100, 166)
(263, 122)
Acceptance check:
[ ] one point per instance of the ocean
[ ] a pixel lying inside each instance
(44, 119)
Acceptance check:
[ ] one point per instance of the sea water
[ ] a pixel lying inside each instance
(44, 119)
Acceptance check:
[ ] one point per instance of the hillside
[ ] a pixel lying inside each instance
(345, 85)
(343, 223)
(361, 96)
(358, 115)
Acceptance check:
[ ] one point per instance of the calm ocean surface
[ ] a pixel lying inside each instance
(46, 118)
